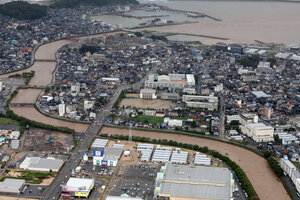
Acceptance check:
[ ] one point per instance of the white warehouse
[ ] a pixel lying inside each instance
(259, 132)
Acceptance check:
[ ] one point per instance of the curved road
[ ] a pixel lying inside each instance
(264, 181)
(261, 176)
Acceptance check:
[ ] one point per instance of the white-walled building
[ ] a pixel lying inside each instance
(173, 122)
(88, 105)
(259, 132)
(75, 89)
(287, 166)
(148, 94)
(1, 86)
(61, 109)
(208, 102)
(177, 81)
(287, 138)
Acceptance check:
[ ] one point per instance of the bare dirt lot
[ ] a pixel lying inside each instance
(156, 104)
(263, 179)
(45, 140)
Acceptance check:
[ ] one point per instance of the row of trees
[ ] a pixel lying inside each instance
(275, 167)
(240, 174)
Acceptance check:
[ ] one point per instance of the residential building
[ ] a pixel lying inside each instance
(1, 86)
(77, 187)
(287, 138)
(197, 182)
(88, 105)
(267, 110)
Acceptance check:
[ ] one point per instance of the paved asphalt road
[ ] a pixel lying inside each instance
(73, 161)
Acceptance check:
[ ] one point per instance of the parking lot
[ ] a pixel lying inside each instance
(136, 181)
(33, 190)
(97, 170)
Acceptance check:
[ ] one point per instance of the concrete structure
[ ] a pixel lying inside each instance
(172, 81)
(267, 110)
(246, 118)
(148, 94)
(287, 138)
(201, 159)
(170, 96)
(12, 186)
(259, 132)
(287, 166)
(208, 102)
(189, 183)
(75, 89)
(15, 144)
(173, 122)
(41, 164)
(109, 156)
(260, 94)
(1, 86)
(296, 179)
(189, 90)
(88, 105)
(61, 109)
(77, 187)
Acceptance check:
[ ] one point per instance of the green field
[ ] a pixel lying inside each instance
(180, 118)
(4, 120)
(149, 119)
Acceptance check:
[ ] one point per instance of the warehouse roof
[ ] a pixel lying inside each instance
(79, 184)
(113, 151)
(196, 182)
(33, 163)
(10, 185)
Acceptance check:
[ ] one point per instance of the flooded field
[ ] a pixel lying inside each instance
(263, 179)
(156, 104)
(26, 96)
(31, 113)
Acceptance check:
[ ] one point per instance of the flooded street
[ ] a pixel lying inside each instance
(257, 169)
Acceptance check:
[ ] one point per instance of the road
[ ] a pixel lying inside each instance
(55, 187)
(222, 118)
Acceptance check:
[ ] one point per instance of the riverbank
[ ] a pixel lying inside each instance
(263, 179)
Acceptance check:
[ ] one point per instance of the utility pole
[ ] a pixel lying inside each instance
(130, 133)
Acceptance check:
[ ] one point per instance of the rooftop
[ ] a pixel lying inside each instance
(79, 184)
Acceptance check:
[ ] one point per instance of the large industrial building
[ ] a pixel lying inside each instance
(208, 102)
(259, 132)
(107, 156)
(172, 81)
(41, 164)
(189, 183)
(12, 186)
(77, 187)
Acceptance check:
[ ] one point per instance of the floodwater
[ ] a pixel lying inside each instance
(127, 22)
(31, 113)
(26, 96)
(256, 168)
(242, 21)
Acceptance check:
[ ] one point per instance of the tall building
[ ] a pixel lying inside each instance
(197, 182)
(268, 110)
(259, 132)
(61, 109)
(1, 86)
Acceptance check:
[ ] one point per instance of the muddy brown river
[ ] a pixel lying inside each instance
(264, 181)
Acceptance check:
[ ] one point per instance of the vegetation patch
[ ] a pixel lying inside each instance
(26, 75)
(100, 3)
(23, 10)
(148, 119)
